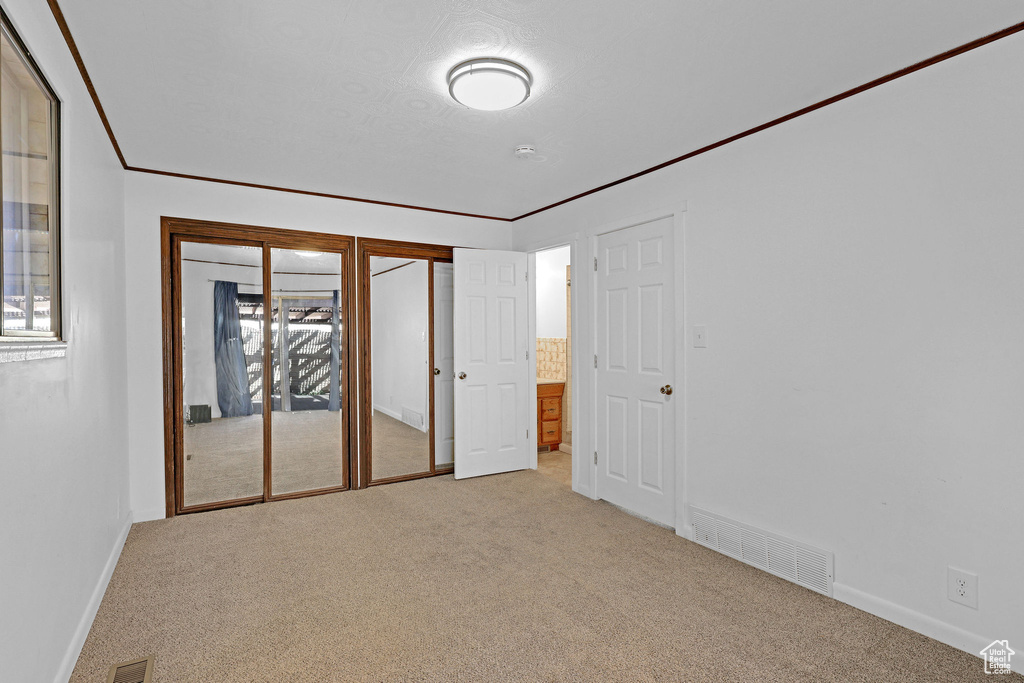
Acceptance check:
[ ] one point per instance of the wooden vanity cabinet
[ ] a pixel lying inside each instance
(549, 414)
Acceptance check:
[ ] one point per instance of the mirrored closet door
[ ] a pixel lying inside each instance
(444, 365)
(308, 434)
(258, 381)
(406, 365)
(222, 372)
(400, 373)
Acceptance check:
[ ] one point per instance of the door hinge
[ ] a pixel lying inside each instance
(526, 276)
(527, 433)
(595, 457)
(595, 360)
(527, 355)
(595, 264)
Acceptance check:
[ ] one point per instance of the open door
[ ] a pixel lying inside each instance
(492, 366)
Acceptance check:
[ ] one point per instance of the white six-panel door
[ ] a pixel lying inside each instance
(492, 367)
(444, 365)
(635, 428)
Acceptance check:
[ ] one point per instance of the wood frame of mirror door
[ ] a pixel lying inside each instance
(431, 253)
(172, 232)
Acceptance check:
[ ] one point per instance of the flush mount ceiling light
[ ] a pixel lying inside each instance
(489, 83)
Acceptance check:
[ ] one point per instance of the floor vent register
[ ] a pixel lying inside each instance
(800, 563)
(138, 671)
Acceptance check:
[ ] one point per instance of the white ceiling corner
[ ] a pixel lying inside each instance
(349, 97)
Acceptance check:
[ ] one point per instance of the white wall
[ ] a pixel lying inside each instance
(860, 273)
(399, 308)
(148, 197)
(63, 439)
(551, 313)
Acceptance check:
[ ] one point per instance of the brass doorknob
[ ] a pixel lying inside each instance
(437, 371)
(667, 390)
(462, 375)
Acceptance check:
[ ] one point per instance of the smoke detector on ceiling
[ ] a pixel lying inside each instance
(525, 151)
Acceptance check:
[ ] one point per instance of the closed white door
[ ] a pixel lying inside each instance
(635, 370)
(444, 365)
(492, 367)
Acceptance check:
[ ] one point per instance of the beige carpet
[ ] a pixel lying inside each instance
(225, 456)
(557, 465)
(505, 578)
(397, 448)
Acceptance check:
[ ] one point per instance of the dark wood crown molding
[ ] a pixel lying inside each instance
(311, 193)
(966, 47)
(949, 54)
(70, 40)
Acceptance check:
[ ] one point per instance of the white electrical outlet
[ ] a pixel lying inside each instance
(962, 587)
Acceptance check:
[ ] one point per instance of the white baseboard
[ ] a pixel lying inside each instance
(67, 665)
(647, 519)
(971, 643)
(388, 412)
(148, 515)
(565, 448)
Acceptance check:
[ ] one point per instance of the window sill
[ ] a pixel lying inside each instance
(21, 350)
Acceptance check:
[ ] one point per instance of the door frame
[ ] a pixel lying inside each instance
(172, 232)
(584, 304)
(431, 253)
(571, 241)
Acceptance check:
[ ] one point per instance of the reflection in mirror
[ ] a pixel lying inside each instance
(444, 365)
(400, 355)
(222, 353)
(308, 440)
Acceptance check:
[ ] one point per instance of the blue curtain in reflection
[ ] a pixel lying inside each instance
(334, 402)
(232, 378)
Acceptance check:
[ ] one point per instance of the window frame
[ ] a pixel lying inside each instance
(55, 333)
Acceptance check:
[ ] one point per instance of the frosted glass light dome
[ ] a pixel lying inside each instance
(489, 83)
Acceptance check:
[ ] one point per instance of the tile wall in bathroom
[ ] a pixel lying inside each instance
(551, 358)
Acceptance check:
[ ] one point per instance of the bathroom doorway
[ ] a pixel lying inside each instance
(552, 307)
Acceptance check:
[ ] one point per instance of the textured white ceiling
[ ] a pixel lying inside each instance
(349, 96)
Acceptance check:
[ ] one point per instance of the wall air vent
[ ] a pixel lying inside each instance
(800, 563)
(413, 418)
(198, 414)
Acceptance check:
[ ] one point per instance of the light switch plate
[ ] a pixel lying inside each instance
(700, 337)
